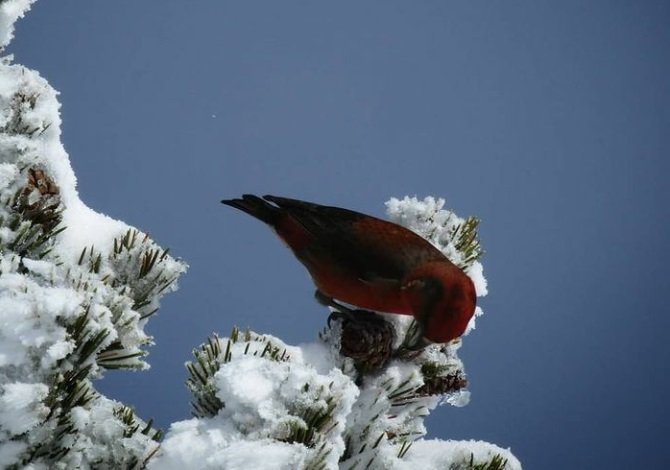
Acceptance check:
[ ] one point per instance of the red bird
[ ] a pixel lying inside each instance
(371, 263)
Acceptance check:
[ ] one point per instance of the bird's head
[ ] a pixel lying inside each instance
(443, 300)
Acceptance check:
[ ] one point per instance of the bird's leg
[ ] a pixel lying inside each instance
(341, 312)
(323, 299)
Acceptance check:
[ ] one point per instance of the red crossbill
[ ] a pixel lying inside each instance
(371, 263)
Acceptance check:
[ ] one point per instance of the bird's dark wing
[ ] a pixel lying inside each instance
(371, 249)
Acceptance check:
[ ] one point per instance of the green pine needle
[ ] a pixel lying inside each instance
(465, 238)
(496, 463)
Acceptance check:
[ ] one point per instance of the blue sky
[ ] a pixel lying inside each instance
(548, 120)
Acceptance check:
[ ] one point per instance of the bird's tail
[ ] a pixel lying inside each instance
(256, 207)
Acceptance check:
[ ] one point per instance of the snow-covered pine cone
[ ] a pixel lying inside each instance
(366, 338)
(39, 200)
(442, 385)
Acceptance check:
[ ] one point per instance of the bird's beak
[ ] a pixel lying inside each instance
(419, 344)
(415, 340)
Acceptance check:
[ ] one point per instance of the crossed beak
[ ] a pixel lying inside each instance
(415, 340)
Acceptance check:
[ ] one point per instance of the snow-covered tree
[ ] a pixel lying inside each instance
(77, 289)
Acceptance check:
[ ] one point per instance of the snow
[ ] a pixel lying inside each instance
(8, 173)
(262, 397)
(437, 455)
(10, 11)
(77, 302)
(28, 324)
(205, 444)
(21, 407)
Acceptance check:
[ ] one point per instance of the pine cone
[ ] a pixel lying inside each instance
(366, 338)
(442, 385)
(44, 209)
(39, 180)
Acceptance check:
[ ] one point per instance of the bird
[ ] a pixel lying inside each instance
(371, 263)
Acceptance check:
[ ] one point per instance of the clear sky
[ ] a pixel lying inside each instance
(548, 120)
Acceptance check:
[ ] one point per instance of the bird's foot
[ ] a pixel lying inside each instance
(342, 316)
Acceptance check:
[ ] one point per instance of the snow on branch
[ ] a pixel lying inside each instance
(76, 291)
(10, 11)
